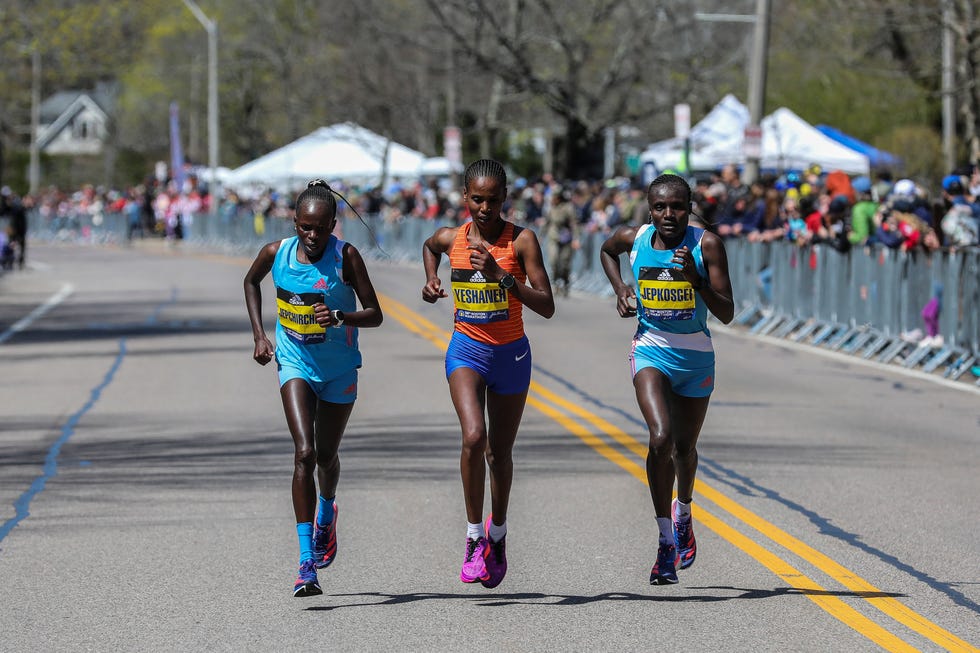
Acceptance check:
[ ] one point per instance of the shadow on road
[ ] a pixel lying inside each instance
(537, 598)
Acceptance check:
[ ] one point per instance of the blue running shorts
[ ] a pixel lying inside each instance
(340, 389)
(691, 373)
(506, 369)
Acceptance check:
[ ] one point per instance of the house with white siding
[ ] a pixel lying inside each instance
(75, 123)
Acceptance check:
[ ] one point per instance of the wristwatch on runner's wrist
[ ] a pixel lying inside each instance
(507, 281)
(339, 316)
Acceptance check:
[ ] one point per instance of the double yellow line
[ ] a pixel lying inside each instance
(585, 425)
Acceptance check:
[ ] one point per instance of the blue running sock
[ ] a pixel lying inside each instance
(666, 527)
(324, 515)
(304, 530)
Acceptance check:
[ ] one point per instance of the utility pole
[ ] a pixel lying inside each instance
(34, 169)
(757, 78)
(453, 149)
(949, 114)
(211, 27)
(758, 64)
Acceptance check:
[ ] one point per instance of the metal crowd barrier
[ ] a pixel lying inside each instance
(864, 302)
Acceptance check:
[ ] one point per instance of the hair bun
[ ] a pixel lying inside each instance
(318, 182)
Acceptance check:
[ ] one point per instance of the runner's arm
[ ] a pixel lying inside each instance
(537, 293)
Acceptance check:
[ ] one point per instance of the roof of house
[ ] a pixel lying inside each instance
(57, 104)
(58, 110)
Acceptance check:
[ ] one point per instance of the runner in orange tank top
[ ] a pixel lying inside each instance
(468, 285)
(496, 269)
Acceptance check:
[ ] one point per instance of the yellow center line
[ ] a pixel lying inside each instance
(876, 597)
(415, 322)
(822, 597)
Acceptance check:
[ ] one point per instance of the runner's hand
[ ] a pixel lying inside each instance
(264, 351)
(322, 315)
(626, 302)
(684, 261)
(433, 290)
(481, 259)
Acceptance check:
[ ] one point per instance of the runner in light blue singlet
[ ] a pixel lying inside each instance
(672, 335)
(680, 274)
(319, 280)
(303, 348)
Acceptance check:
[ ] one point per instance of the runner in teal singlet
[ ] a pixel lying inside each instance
(681, 273)
(318, 280)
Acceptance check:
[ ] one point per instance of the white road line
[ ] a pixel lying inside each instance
(37, 265)
(26, 321)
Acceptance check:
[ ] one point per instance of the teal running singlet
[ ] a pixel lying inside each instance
(300, 342)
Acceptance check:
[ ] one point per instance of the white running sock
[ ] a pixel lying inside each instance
(684, 509)
(666, 529)
(474, 531)
(497, 533)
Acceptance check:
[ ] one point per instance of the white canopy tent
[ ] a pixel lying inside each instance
(342, 152)
(788, 143)
(439, 166)
(711, 140)
(791, 143)
(221, 174)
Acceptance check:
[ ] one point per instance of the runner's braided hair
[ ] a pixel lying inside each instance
(318, 190)
(484, 168)
(675, 182)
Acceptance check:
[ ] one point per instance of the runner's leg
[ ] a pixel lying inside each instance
(504, 413)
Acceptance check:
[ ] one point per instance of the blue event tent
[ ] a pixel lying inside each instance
(877, 158)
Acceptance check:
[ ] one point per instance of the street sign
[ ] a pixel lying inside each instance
(682, 120)
(452, 145)
(752, 142)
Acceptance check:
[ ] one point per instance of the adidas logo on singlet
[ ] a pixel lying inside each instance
(665, 275)
(478, 277)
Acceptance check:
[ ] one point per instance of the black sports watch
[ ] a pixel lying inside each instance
(507, 281)
(339, 316)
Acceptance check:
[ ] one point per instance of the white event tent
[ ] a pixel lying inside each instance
(439, 166)
(711, 140)
(791, 143)
(788, 143)
(341, 152)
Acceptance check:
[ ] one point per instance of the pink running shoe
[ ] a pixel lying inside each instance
(474, 564)
(687, 547)
(325, 541)
(496, 560)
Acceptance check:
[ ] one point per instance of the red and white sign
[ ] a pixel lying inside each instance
(682, 120)
(752, 142)
(452, 145)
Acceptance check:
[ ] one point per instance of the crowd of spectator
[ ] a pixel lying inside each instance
(807, 207)
(842, 211)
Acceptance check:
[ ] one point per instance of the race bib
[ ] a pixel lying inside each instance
(297, 318)
(477, 300)
(665, 294)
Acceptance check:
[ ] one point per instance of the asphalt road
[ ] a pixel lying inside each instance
(145, 468)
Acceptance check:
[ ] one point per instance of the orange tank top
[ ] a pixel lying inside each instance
(485, 311)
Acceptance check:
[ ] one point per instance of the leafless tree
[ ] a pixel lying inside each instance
(590, 64)
(966, 28)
